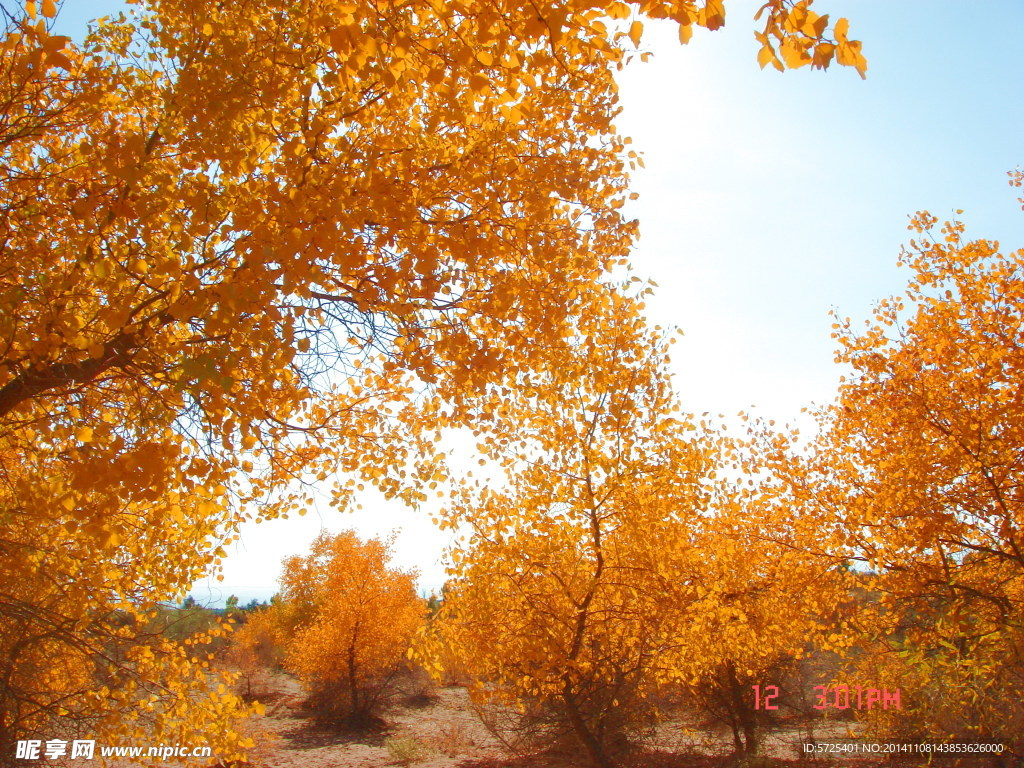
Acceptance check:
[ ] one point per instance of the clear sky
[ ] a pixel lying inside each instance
(770, 198)
(767, 200)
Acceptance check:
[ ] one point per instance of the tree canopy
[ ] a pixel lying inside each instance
(240, 241)
(918, 475)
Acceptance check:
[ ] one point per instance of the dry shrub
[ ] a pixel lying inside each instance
(544, 728)
(452, 739)
(406, 750)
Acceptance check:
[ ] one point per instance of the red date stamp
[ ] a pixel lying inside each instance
(841, 696)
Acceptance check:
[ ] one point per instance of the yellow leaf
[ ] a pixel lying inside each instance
(713, 14)
(823, 53)
(842, 29)
(618, 10)
(794, 56)
(49, 9)
(636, 30)
(478, 83)
(815, 25)
(83, 434)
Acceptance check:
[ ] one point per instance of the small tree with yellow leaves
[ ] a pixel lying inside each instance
(918, 473)
(351, 619)
(257, 649)
(563, 603)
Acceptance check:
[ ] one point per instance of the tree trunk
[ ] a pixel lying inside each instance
(743, 716)
(753, 746)
(353, 688)
(737, 741)
(595, 749)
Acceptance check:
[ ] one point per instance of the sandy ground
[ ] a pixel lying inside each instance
(442, 731)
(436, 732)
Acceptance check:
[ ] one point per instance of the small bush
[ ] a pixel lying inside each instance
(406, 750)
(452, 740)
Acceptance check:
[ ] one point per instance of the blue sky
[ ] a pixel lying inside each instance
(767, 200)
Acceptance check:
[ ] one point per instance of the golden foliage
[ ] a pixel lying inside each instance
(626, 557)
(917, 474)
(561, 603)
(237, 240)
(257, 648)
(349, 620)
(81, 654)
(767, 600)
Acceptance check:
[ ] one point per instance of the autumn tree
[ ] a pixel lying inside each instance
(237, 240)
(257, 649)
(766, 603)
(561, 602)
(348, 619)
(81, 654)
(918, 475)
